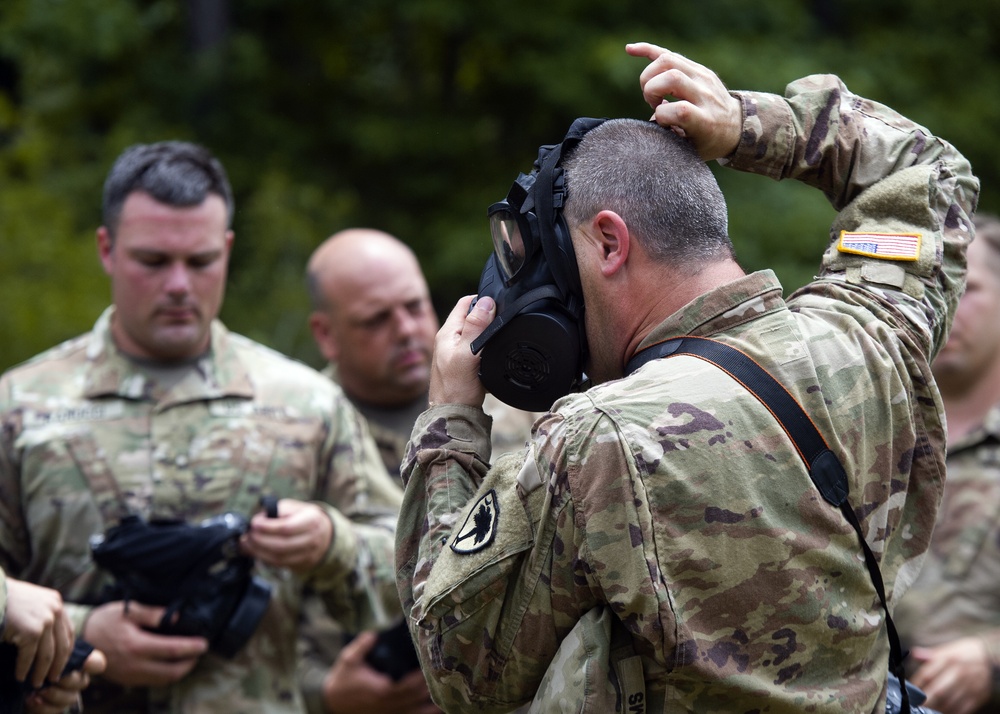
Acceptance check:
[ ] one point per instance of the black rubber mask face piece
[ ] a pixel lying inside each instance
(534, 350)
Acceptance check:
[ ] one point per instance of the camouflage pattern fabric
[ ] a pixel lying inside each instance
(957, 593)
(321, 637)
(390, 438)
(674, 498)
(87, 437)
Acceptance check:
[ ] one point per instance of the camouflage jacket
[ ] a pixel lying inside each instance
(673, 497)
(389, 429)
(321, 638)
(957, 593)
(87, 437)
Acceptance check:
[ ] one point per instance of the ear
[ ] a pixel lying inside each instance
(613, 240)
(104, 249)
(319, 323)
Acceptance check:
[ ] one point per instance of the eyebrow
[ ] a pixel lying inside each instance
(153, 252)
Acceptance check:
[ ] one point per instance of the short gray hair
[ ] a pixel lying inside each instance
(655, 180)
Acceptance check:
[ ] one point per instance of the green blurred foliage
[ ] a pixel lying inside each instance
(413, 118)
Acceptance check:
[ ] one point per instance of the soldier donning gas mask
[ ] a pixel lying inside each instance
(534, 350)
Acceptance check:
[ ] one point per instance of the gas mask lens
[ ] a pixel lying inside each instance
(507, 241)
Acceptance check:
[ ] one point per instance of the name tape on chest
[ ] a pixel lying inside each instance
(480, 525)
(886, 246)
(84, 412)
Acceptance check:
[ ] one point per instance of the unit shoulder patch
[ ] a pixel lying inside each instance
(480, 526)
(886, 246)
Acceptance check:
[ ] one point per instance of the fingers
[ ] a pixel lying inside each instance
(58, 697)
(65, 692)
(412, 694)
(95, 663)
(145, 616)
(452, 327)
(478, 319)
(38, 625)
(27, 652)
(356, 650)
(956, 676)
(297, 539)
(134, 655)
(455, 370)
(63, 638)
(702, 107)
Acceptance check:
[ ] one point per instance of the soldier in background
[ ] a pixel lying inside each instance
(162, 413)
(660, 545)
(373, 320)
(951, 615)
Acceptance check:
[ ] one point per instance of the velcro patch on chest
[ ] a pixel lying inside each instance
(886, 246)
(480, 525)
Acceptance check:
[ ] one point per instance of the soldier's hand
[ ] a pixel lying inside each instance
(297, 539)
(352, 685)
(454, 369)
(956, 676)
(66, 692)
(703, 109)
(135, 656)
(37, 624)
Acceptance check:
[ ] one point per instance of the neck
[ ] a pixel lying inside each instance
(684, 286)
(967, 404)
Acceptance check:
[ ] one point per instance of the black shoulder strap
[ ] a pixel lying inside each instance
(824, 467)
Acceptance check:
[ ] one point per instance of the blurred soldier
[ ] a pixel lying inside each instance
(951, 615)
(661, 545)
(374, 322)
(159, 412)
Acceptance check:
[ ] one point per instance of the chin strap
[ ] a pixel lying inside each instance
(824, 467)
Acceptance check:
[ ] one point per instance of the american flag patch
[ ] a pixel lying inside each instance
(889, 246)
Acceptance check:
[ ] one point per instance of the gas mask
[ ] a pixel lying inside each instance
(534, 350)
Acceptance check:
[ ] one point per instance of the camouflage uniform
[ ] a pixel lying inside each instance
(957, 593)
(90, 436)
(674, 498)
(321, 638)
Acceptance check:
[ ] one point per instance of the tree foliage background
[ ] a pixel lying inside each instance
(412, 117)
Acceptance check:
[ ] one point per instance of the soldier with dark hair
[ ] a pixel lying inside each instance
(162, 415)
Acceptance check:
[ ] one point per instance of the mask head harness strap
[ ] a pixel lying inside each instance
(536, 343)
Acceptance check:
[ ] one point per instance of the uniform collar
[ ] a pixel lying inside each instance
(988, 430)
(721, 309)
(216, 375)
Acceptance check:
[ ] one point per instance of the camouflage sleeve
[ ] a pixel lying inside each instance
(14, 540)
(320, 641)
(886, 175)
(493, 569)
(356, 578)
